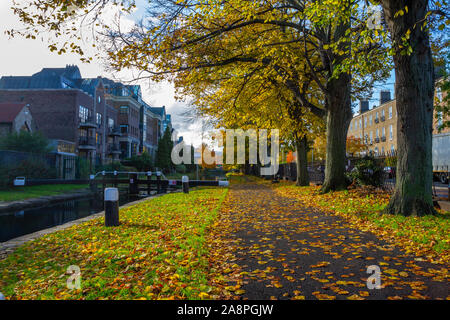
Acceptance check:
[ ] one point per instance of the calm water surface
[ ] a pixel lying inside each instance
(19, 223)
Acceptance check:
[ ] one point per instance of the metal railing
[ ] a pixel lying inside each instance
(86, 141)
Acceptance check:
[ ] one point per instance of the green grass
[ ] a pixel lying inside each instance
(21, 193)
(159, 251)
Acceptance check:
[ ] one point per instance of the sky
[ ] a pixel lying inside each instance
(23, 57)
(19, 56)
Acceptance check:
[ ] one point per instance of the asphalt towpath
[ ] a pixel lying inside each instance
(286, 251)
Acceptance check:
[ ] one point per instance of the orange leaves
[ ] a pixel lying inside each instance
(160, 251)
(361, 207)
(323, 296)
(321, 264)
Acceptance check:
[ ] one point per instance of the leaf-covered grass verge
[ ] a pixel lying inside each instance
(27, 192)
(160, 251)
(426, 236)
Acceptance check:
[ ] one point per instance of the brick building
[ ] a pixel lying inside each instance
(377, 127)
(101, 117)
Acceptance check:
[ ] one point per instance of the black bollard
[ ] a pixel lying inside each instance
(158, 182)
(111, 207)
(185, 181)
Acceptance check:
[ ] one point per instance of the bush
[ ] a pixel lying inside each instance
(181, 168)
(113, 166)
(367, 172)
(82, 168)
(30, 168)
(142, 162)
(25, 141)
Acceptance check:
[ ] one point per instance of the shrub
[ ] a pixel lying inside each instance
(25, 141)
(181, 168)
(113, 166)
(367, 171)
(33, 168)
(82, 168)
(141, 162)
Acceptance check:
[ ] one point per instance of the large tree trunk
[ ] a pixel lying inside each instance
(414, 91)
(339, 115)
(302, 162)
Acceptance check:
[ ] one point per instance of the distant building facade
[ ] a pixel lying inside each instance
(377, 127)
(103, 118)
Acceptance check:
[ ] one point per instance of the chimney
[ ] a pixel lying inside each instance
(385, 96)
(363, 106)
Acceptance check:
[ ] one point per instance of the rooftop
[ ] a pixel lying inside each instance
(9, 111)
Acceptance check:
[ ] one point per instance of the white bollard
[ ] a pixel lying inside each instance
(111, 207)
(223, 183)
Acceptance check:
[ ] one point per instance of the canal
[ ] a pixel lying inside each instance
(19, 223)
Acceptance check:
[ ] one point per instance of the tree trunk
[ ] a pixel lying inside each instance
(414, 92)
(302, 162)
(339, 115)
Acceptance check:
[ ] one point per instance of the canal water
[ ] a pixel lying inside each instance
(19, 223)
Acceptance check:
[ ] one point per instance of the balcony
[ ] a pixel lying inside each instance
(114, 148)
(114, 131)
(377, 140)
(88, 122)
(86, 143)
(377, 120)
(383, 139)
(383, 118)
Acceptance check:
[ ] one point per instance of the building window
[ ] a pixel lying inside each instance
(376, 116)
(124, 128)
(98, 139)
(382, 150)
(82, 133)
(99, 99)
(383, 132)
(365, 122)
(83, 114)
(110, 123)
(360, 124)
(351, 126)
(391, 132)
(371, 136)
(370, 120)
(382, 113)
(378, 133)
(124, 109)
(99, 119)
(392, 148)
(390, 112)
